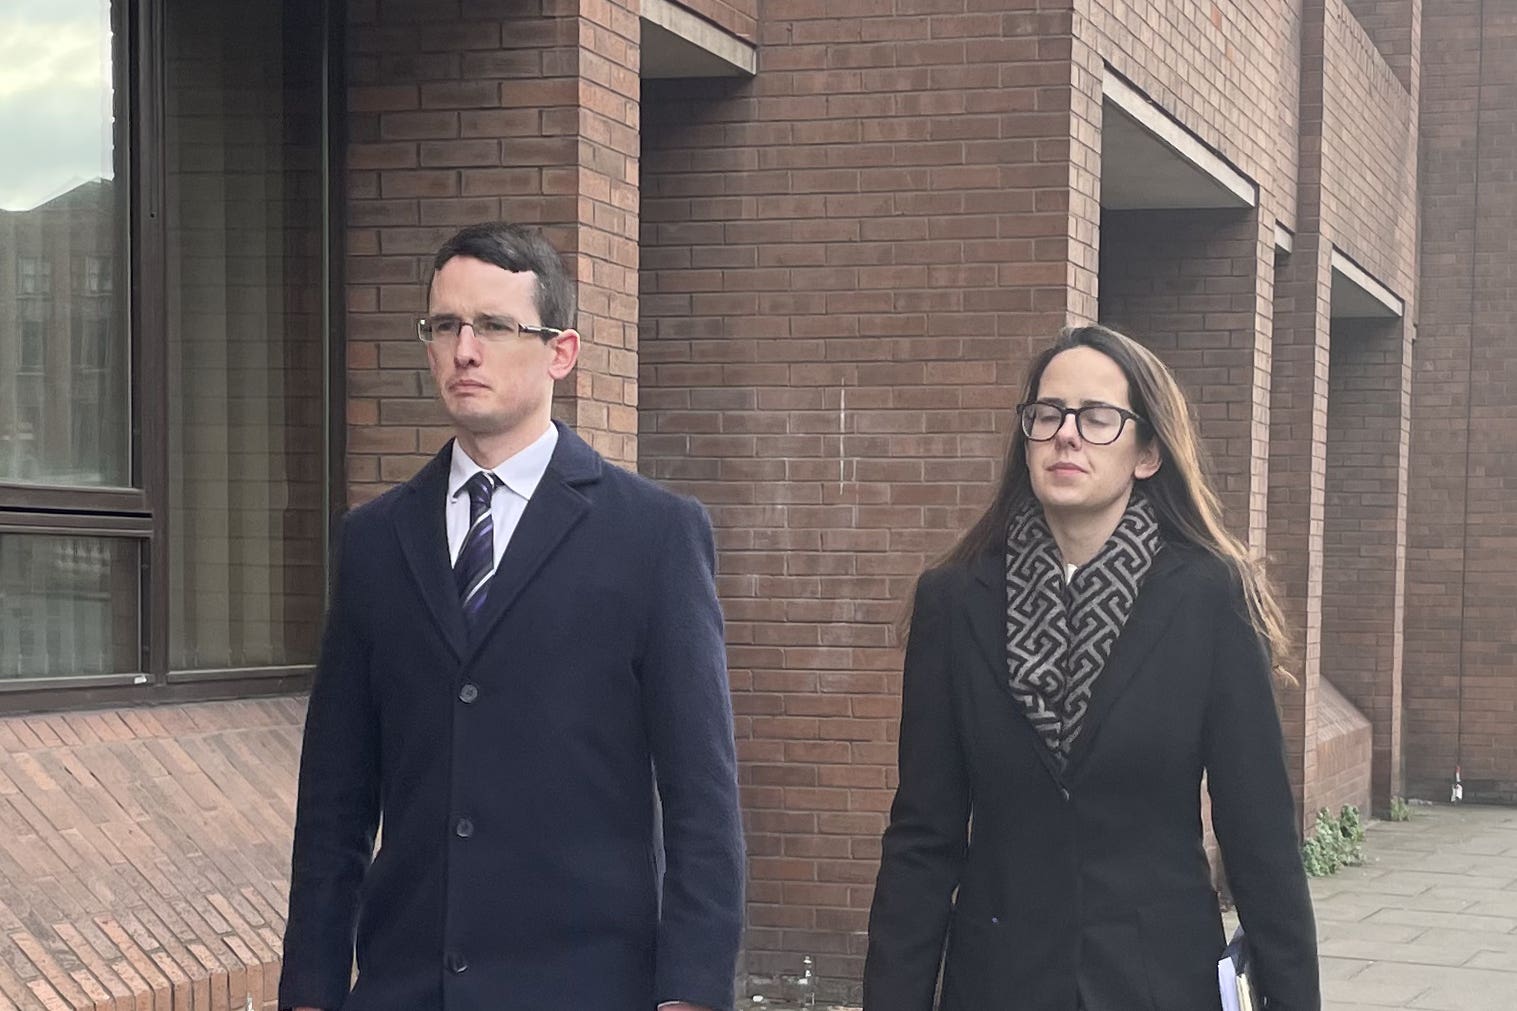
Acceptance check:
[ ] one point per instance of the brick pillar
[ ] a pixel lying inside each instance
(1297, 486)
(1196, 287)
(464, 112)
(1298, 425)
(1364, 549)
(1441, 405)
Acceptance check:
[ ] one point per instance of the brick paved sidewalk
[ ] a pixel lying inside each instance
(143, 858)
(144, 854)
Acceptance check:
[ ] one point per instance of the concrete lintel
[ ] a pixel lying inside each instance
(677, 43)
(1358, 295)
(1285, 240)
(1185, 160)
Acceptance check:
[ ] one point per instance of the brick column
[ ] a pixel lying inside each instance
(1297, 484)
(464, 112)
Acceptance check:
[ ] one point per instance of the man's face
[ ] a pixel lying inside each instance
(492, 387)
(1070, 475)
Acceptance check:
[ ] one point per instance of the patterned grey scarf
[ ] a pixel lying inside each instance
(1059, 636)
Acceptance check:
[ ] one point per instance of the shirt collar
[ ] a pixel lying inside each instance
(521, 473)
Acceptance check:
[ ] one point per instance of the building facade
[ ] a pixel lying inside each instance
(816, 244)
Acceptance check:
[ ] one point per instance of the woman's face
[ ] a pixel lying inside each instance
(1070, 475)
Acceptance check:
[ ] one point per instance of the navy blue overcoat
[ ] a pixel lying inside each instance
(557, 790)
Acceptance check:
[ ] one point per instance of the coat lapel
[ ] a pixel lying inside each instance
(1145, 626)
(422, 526)
(556, 506)
(986, 610)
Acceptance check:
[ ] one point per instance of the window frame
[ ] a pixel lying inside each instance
(140, 511)
(36, 282)
(98, 274)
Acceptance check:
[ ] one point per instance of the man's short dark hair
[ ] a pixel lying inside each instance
(518, 249)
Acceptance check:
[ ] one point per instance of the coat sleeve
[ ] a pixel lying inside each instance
(1254, 812)
(337, 809)
(688, 713)
(923, 849)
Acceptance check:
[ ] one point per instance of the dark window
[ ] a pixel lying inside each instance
(33, 347)
(164, 459)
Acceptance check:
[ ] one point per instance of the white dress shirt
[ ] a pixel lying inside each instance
(519, 476)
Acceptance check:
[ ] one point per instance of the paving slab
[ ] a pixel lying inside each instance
(1429, 923)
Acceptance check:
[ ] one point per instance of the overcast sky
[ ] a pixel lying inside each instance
(55, 98)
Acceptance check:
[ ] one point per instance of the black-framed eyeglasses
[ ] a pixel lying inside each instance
(1098, 424)
(430, 329)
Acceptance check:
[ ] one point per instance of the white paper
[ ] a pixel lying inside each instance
(1227, 984)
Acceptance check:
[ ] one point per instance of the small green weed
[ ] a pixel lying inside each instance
(1335, 842)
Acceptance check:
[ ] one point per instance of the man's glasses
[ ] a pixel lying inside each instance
(431, 329)
(1098, 424)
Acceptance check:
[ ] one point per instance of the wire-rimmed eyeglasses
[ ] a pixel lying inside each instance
(1098, 424)
(486, 328)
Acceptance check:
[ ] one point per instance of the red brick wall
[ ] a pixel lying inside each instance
(1368, 210)
(1358, 185)
(740, 17)
(846, 262)
(1229, 71)
(464, 113)
(1395, 26)
(1461, 691)
(1299, 100)
(1368, 154)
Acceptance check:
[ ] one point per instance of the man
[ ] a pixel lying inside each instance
(523, 642)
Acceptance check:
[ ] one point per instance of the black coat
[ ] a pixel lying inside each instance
(1090, 884)
(515, 769)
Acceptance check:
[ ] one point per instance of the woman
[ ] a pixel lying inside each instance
(1092, 645)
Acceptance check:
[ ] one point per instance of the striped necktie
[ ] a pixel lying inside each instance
(476, 558)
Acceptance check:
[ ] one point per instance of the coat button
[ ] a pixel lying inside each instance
(468, 693)
(457, 963)
(464, 827)
(995, 920)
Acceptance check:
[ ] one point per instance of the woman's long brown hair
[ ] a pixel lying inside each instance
(1187, 507)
